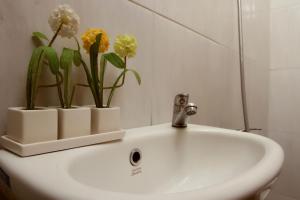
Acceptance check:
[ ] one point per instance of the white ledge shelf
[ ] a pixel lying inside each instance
(58, 145)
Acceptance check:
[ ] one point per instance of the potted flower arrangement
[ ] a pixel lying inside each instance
(32, 124)
(73, 121)
(105, 118)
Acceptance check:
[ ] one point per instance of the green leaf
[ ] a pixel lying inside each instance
(77, 58)
(102, 70)
(90, 81)
(36, 64)
(34, 59)
(66, 58)
(40, 36)
(52, 58)
(94, 51)
(137, 76)
(32, 76)
(115, 60)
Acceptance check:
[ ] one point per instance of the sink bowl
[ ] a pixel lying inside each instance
(155, 162)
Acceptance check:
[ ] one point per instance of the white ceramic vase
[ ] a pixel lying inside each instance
(74, 122)
(105, 120)
(31, 126)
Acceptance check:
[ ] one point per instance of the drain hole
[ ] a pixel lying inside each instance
(135, 157)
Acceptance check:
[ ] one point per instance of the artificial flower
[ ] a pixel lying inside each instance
(125, 46)
(89, 37)
(65, 17)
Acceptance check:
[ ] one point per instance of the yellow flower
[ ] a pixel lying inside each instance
(125, 45)
(89, 37)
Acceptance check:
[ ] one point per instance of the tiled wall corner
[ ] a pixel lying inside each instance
(204, 61)
(256, 20)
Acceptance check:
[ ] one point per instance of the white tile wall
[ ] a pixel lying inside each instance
(196, 65)
(284, 96)
(171, 58)
(288, 184)
(215, 19)
(283, 114)
(284, 126)
(283, 3)
(255, 5)
(284, 50)
(274, 196)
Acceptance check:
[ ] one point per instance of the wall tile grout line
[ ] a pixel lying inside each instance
(178, 23)
(283, 68)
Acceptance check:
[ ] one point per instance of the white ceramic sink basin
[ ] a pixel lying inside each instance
(198, 162)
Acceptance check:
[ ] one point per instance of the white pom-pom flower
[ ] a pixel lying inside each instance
(65, 17)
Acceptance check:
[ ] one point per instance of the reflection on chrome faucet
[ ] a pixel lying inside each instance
(182, 109)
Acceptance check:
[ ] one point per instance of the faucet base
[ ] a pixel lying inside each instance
(179, 126)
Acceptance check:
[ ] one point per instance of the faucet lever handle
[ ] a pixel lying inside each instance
(181, 99)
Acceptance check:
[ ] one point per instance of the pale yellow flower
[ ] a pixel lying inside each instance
(125, 46)
(89, 37)
(65, 17)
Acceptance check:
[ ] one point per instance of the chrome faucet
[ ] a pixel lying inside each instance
(182, 109)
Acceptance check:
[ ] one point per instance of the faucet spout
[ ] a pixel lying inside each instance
(182, 109)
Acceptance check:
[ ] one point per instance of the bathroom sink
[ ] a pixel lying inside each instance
(153, 163)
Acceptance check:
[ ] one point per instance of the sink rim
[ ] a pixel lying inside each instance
(248, 183)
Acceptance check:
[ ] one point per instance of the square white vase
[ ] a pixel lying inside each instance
(105, 120)
(31, 126)
(74, 122)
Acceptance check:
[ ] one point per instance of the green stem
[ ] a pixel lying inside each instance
(66, 85)
(59, 90)
(123, 79)
(55, 35)
(78, 46)
(135, 73)
(69, 105)
(52, 85)
(28, 88)
(94, 68)
(101, 77)
(59, 81)
(83, 85)
(114, 87)
(90, 81)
